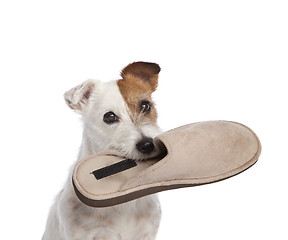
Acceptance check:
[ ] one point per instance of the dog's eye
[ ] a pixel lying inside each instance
(110, 118)
(145, 106)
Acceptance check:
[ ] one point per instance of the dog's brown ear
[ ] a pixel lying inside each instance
(143, 71)
(78, 97)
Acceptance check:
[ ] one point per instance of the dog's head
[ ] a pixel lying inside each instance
(119, 114)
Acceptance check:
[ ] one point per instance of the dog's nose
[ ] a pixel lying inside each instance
(145, 146)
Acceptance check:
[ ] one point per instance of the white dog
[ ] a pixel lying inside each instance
(118, 115)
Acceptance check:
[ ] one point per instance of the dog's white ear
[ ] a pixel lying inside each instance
(78, 97)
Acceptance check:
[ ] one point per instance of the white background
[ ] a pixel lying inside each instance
(220, 60)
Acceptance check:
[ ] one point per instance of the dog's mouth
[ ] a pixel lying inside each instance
(130, 162)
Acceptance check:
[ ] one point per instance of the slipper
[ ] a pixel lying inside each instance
(191, 155)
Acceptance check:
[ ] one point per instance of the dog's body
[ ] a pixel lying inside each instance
(118, 115)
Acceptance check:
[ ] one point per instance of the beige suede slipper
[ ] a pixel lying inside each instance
(191, 155)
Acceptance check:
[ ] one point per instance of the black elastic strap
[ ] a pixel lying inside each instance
(114, 168)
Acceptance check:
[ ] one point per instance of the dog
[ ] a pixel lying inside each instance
(117, 115)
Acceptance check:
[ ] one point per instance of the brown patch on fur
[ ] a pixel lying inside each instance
(144, 71)
(139, 81)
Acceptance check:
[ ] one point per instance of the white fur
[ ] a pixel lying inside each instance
(69, 219)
